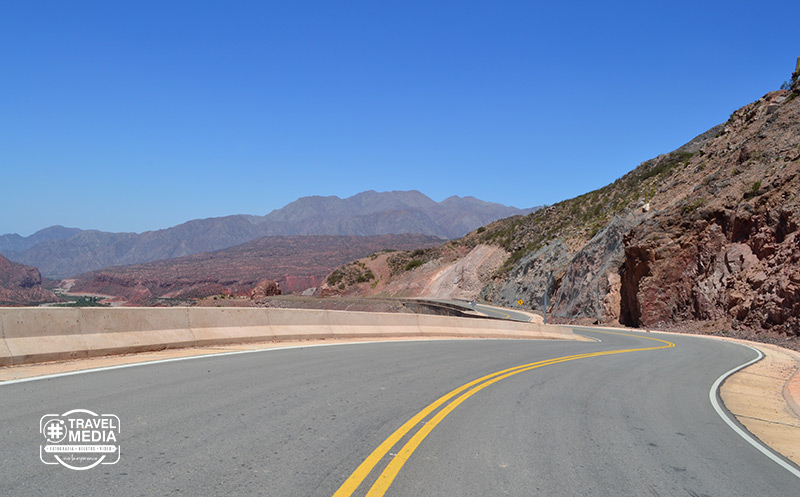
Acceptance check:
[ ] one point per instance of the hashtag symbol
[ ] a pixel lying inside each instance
(54, 431)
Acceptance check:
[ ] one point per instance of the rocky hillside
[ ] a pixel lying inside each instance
(61, 252)
(452, 271)
(295, 263)
(702, 237)
(22, 285)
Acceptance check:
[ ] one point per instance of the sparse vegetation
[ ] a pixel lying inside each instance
(350, 274)
(754, 190)
(666, 166)
(406, 261)
(693, 206)
(82, 301)
(581, 217)
(414, 263)
(374, 256)
(335, 277)
(793, 80)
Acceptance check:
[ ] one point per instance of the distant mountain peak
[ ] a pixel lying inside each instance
(60, 252)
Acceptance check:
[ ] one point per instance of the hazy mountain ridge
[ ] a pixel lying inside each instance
(15, 243)
(61, 252)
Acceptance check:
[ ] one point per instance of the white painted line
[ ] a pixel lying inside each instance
(160, 361)
(712, 395)
(236, 352)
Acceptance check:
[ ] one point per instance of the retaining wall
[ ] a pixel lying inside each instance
(36, 334)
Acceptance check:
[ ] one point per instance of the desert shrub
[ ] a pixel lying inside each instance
(754, 190)
(692, 206)
(414, 263)
(335, 277)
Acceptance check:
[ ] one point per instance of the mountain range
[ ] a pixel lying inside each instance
(61, 252)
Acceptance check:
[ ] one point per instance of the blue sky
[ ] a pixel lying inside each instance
(131, 116)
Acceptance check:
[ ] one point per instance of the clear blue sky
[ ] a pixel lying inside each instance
(130, 116)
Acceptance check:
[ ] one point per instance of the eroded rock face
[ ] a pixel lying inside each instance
(528, 279)
(728, 251)
(722, 268)
(704, 237)
(717, 245)
(591, 284)
(21, 284)
(265, 288)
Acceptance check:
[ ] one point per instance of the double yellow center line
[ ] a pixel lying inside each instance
(455, 398)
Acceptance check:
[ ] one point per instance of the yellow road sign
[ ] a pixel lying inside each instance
(519, 302)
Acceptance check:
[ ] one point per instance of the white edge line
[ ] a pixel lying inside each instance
(588, 337)
(712, 395)
(219, 354)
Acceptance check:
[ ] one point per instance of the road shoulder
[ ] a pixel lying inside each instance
(765, 396)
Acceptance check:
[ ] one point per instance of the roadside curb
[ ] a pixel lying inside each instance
(791, 392)
(762, 397)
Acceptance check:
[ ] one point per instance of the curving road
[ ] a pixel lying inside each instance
(502, 313)
(299, 422)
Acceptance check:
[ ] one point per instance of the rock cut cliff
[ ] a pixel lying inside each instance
(702, 237)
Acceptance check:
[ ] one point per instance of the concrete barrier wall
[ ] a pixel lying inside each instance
(36, 334)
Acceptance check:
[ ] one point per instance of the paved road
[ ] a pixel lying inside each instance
(298, 422)
(488, 310)
(503, 313)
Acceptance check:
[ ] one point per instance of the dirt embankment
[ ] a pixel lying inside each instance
(448, 272)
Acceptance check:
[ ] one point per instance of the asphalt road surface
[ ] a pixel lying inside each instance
(502, 313)
(612, 421)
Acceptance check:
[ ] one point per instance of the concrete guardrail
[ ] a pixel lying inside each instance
(37, 334)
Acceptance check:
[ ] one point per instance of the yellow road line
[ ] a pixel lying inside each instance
(355, 479)
(487, 309)
(388, 475)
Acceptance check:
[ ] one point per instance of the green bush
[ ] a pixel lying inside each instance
(335, 277)
(754, 190)
(686, 209)
(414, 263)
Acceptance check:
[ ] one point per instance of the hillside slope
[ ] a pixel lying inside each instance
(22, 285)
(295, 262)
(702, 237)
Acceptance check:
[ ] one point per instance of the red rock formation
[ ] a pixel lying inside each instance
(22, 285)
(265, 288)
(730, 251)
